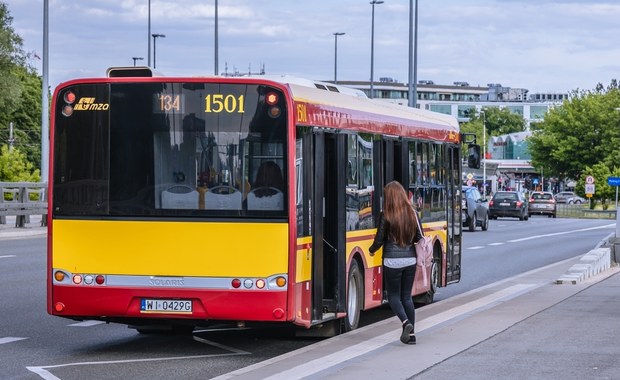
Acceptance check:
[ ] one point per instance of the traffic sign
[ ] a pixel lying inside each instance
(589, 189)
(589, 180)
(613, 181)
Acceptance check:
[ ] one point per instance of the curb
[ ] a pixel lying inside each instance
(592, 263)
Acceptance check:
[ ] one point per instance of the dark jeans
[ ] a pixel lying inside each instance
(399, 283)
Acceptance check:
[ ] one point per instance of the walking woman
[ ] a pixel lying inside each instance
(397, 232)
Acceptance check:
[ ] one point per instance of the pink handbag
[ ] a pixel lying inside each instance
(424, 252)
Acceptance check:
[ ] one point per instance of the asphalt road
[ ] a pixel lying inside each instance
(34, 345)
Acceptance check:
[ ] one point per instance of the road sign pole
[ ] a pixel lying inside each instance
(615, 181)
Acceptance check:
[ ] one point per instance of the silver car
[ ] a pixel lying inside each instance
(542, 203)
(475, 209)
(569, 197)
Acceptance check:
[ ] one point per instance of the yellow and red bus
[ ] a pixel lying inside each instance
(193, 201)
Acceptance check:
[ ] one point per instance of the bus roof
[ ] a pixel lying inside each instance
(329, 105)
(315, 107)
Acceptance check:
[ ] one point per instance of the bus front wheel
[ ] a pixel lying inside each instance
(355, 297)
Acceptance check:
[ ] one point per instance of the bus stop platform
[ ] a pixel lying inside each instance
(527, 327)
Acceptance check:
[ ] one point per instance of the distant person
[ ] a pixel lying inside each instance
(268, 178)
(397, 232)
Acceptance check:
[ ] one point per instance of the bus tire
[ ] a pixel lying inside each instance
(428, 297)
(355, 297)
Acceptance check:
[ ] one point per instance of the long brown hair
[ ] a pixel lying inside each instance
(399, 214)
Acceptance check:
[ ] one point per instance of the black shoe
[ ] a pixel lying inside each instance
(407, 329)
(411, 339)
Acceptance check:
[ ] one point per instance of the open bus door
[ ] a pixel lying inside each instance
(324, 161)
(455, 227)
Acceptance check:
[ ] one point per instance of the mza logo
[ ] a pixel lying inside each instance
(88, 104)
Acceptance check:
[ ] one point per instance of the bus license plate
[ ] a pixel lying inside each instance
(165, 306)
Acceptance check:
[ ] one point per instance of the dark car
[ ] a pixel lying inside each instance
(509, 204)
(542, 202)
(475, 209)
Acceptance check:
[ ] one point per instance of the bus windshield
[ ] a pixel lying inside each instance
(170, 149)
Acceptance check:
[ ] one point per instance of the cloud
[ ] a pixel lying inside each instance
(536, 44)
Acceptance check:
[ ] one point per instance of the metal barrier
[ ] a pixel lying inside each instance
(22, 199)
(583, 211)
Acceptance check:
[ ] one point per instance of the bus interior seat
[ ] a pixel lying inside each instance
(223, 198)
(272, 202)
(179, 197)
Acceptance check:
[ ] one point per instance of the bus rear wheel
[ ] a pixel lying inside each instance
(355, 297)
(428, 297)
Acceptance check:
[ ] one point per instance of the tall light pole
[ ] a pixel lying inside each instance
(484, 154)
(216, 42)
(136, 59)
(148, 36)
(413, 55)
(155, 37)
(336, 55)
(372, 47)
(45, 145)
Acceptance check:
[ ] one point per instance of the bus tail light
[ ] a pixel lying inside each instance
(236, 283)
(260, 283)
(67, 111)
(59, 276)
(271, 98)
(274, 112)
(59, 307)
(99, 279)
(281, 281)
(77, 279)
(69, 97)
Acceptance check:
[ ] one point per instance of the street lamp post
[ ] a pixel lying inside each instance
(155, 36)
(484, 154)
(372, 46)
(148, 36)
(136, 59)
(44, 96)
(336, 55)
(215, 45)
(413, 55)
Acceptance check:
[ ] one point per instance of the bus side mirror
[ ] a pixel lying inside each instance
(473, 156)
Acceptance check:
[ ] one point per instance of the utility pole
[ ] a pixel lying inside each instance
(11, 139)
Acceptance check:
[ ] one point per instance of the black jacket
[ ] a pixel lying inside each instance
(391, 249)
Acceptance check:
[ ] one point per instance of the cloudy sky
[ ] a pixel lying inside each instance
(541, 45)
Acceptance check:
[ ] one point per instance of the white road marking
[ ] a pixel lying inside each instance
(86, 324)
(6, 256)
(43, 371)
(476, 247)
(314, 366)
(562, 233)
(10, 339)
(497, 243)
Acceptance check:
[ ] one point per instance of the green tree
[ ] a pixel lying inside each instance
(582, 132)
(20, 95)
(12, 57)
(26, 117)
(14, 166)
(496, 121)
(602, 191)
